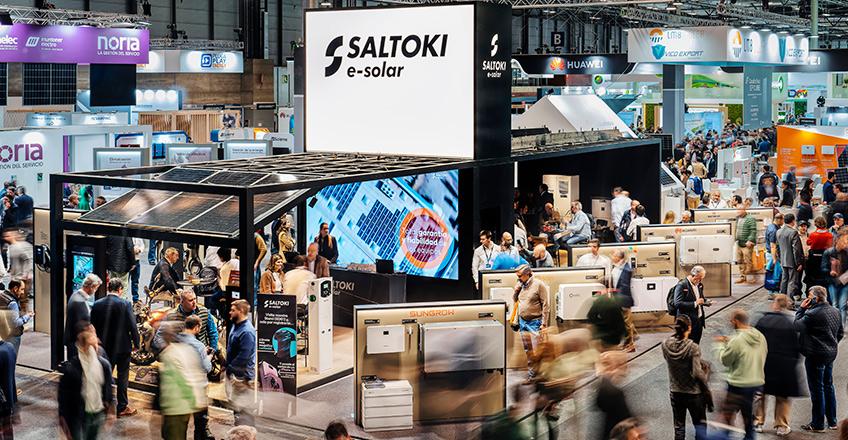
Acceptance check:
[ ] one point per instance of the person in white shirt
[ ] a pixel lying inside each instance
(639, 220)
(296, 280)
(212, 259)
(135, 272)
(484, 255)
(715, 201)
(594, 258)
(619, 205)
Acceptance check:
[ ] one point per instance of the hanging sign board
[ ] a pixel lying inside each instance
(446, 66)
(25, 43)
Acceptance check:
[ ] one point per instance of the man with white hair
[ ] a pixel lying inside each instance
(579, 227)
(78, 310)
(689, 300)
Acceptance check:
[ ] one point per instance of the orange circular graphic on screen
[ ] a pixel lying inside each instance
(424, 238)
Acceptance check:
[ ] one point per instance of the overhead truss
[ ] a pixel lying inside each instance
(71, 17)
(195, 44)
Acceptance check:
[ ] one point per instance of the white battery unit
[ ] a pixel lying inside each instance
(382, 339)
(387, 406)
(574, 300)
(320, 308)
(601, 209)
(463, 346)
(504, 294)
(649, 293)
(706, 249)
(715, 248)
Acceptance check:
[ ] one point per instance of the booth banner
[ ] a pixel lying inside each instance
(438, 63)
(25, 43)
(276, 330)
(182, 154)
(802, 147)
(573, 64)
(756, 97)
(129, 140)
(48, 119)
(113, 118)
(193, 61)
(245, 150)
(715, 44)
(285, 120)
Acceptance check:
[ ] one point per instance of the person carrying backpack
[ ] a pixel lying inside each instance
(687, 298)
(694, 189)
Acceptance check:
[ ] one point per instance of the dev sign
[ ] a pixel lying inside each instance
(425, 80)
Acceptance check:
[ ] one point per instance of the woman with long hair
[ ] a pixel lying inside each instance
(686, 379)
(272, 277)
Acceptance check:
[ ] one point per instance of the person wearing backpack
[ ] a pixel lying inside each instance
(694, 189)
(687, 298)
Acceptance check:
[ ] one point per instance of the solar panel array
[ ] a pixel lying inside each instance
(841, 175)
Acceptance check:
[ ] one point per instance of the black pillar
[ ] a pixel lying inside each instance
(57, 281)
(211, 19)
(247, 253)
(252, 28)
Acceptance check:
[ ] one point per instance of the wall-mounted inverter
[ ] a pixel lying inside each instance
(649, 293)
(574, 300)
(706, 249)
(463, 346)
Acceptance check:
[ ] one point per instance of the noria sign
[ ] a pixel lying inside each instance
(723, 45)
(24, 43)
(422, 80)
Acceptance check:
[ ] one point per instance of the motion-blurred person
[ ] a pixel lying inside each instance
(689, 300)
(629, 429)
(743, 356)
(20, 267)
(838, 286)
(791, 256)
(295, 281)
(687, 379)
(484, 255)
(505, 425)
(328, 247)
(241, 363)
(189, 336)
(608, 327)
(85, 389)
(272, 277)
(336, 430)
(79, 310)
(541, 257)
(8, 405)
(782, 372)
(120, 257)
(316, 263)
(820, 327)
(594, 257)
(114, 321)
(746, 237)
(621, 276)
(259, 250)
(610, 400)
(164, 276)
(182, 385)
(12, 319)
(241, 433)
(533, 312)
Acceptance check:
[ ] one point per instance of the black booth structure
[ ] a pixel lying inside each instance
(222, 203)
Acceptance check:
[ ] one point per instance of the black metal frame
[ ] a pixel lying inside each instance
(317, 170)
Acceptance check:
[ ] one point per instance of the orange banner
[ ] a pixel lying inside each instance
(790, 142)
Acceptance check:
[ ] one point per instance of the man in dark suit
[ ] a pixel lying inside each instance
(164, 275)
(114, 322)
(711, 164)
(621, 275)
(689, 300)
(79, 310)
(791, 257)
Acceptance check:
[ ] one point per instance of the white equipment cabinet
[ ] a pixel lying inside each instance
(574, 300)
(649, 293)
(463, 346)
(320, 295)
(387, 407)
(706, 249)
(566, 189)
(504, 294)
(601, 208)
(382, 339)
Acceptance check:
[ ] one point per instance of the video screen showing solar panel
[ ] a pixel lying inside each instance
(410, 220)
(113, 84)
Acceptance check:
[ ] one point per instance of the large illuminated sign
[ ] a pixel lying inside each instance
(193, 61)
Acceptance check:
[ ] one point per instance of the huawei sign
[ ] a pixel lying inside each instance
(557, 63)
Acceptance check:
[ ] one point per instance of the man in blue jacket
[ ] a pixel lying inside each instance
(241, 362)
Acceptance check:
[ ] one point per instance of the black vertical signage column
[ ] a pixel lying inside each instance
(492, 124)
(276, 330)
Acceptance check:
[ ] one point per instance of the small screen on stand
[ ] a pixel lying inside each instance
(158, 151)
(82, 264)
